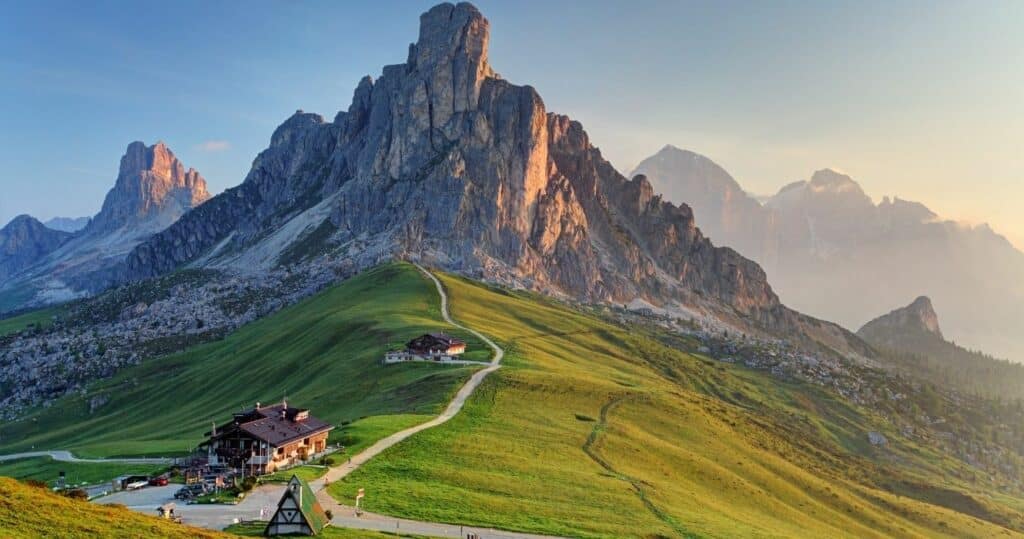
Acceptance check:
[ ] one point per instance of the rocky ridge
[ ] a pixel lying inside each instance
(153, 190)
(831, 251)
(25, 240)
(442, 160)
(915, 319)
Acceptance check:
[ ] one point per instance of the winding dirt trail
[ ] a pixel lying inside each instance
(453, 408)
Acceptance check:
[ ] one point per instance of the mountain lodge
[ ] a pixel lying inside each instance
(266, 438)
(428, 347)
(436, 344)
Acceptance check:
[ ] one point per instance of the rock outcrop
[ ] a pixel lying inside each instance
(914, 320)
(442, 160)
(152, 190)
(724, 211)
(24, 241)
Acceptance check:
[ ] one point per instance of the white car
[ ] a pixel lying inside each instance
(136, 485)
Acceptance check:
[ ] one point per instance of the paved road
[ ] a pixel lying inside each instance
(66, 456)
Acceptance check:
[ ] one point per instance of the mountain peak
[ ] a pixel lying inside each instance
(23, 241)
(832, 180)
(152, 185)
(455, 38)
(917, 318)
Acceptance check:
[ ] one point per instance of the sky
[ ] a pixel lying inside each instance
(921, 100)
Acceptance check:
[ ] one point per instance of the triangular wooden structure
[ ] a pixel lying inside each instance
(298, 512)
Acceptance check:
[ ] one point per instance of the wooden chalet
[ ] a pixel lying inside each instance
(298, 512)
(265, 438)
(436, 345)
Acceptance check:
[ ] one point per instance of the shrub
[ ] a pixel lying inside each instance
(329, 513)
(247, 484)
(35, 483)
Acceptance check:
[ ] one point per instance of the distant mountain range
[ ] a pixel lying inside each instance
(830, 251)
(67, 224)
(40, 264)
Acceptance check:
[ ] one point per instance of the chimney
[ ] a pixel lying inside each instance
(213, 428)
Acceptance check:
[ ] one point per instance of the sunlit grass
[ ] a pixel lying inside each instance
(689, 447)
(28, 512)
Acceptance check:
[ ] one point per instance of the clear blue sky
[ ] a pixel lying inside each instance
(919, 99)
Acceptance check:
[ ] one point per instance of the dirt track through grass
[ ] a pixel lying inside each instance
(588, 448)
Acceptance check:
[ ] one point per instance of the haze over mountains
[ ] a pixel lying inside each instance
(830, 251)
(912, 339)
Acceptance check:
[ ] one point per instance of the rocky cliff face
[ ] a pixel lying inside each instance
(24, 241)
(152, 190)
(442, 160)
(916, 319)
(724, 211)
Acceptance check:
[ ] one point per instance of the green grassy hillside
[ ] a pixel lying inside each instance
(590, 429)
(37, 318)
(593, 430)
(77, 473)
(31, 512)
(323, 353)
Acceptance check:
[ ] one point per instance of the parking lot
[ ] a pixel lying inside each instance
(213, 516)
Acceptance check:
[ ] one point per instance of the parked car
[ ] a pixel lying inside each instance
(188, 492)
(158, 481)
(135, 485)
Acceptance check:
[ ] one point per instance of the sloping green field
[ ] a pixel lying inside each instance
(37, 318)
(323, 353)
(592, 430)
(31, 512)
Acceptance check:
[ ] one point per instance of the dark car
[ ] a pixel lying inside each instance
(188, 492)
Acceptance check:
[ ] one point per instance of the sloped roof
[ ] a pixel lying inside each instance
(309, 507)
(267, 423)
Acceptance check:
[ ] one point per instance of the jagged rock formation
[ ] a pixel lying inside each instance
(911, 340)
(152, 191)
(25, 240)
(443, 160)
(67, 224)
(829, 250)
(724, 211)
(914, 320)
